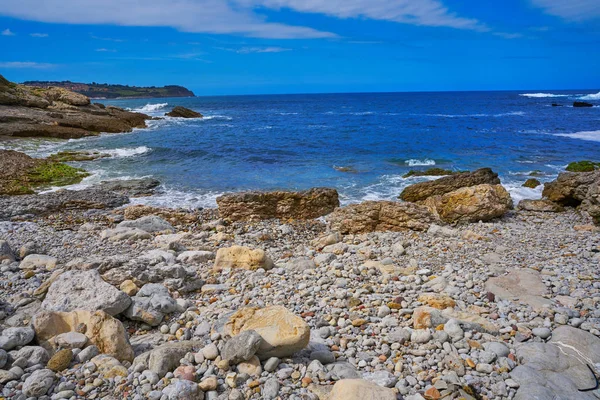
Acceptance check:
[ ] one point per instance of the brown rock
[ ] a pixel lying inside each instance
(360, 389)
(106, 332)
(283, 333)
(543, 205)
(447, 184)
(182, 112)
(437, 300)
(308, 204)
(371, 216)
(242, 257)
(471, 204)
(60, 361)
(570, 188)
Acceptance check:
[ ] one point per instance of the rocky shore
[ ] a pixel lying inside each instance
(452, 294)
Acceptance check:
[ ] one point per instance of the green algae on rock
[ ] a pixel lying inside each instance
(583, 166)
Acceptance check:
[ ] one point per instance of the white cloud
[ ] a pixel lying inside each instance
(248, 50)
(571, 10)
(7, 32)
(240, 17)
(39, 35)
(25, 64)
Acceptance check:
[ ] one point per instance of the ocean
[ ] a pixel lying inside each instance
(360, 144)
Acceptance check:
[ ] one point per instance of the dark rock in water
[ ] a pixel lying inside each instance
(447, 184)
(308, 204)
(46, 203)
(56, 112)
(429, 172)
(582, 104)
(556, 105)
(346, 169)
(531, 183)
(183, 112)
(131, 187)
(77, 155)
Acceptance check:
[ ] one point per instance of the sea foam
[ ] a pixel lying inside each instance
(540, 95)
(151, 107)
(127, 152)
(592, 136)
(595, 96)
(416, 163)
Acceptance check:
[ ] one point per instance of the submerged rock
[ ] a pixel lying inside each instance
(438, 187)
(582, 104)
(183, 112)
(308, 204)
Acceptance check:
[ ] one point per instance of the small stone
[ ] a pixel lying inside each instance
(543, 333)
(60, 360)
(210, 352)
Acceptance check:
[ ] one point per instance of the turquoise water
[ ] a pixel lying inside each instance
(297, 141)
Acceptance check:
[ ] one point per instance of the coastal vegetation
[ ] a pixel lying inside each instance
(109, 91)
(583, 166)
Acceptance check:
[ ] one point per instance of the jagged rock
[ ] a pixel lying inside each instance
(14, 337)
(6, 252)
(61, 200)
(308, 204)
(242, 257)
(149, 223)
(523, 285)
(84, 290)
(151, 304)
(241, 347)
(542, 205)
(371, 216)
(182, 112)
(195, 257)
(131, 187)
(122, 233)
(471, 204)
(282, 332)
(360, 389)
(447, 184)
(34, 355)
(576, 189)
(559, 368)
(102, 330)
(165, 358)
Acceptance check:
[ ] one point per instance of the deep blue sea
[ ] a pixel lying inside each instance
(297, 141)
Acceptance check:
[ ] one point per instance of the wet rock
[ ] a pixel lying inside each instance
(131, 187)
(182, 112)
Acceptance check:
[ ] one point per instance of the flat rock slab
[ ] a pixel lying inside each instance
(522, 285)
(558, 369)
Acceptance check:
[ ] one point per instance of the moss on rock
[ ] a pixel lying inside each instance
(583, 166)
(531, 183)
(52, 173)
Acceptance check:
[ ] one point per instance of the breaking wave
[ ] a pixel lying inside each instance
(416, 163)
(592, 136)
(541, 95)
(151, 107)
(595, 96)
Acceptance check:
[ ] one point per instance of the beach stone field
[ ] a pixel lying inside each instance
(453, 293)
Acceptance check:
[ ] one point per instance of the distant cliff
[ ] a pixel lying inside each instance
(107, 91)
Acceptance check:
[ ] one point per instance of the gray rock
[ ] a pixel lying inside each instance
(85, 290)
(301, 264)
(453, 329)
(13, 337)
(70, 340)
(382, 378)
(271, 364)
(6, 252)
(210, 351)
(399, 335)
(149, 223)
(343, 370)
(241, 347)
(34, 355)
(500, 349)
(195, 257)
(38, 383)
(130, 187)
(7, 376)
(324, 356)
(3, 358)
(121, 233)
(270, 389)
(37, 261)
(165, 358)
(420, 336)
(182, 390)
(87, 354)
(543, 333)
(150, 304)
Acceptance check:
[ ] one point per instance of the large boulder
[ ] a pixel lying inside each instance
(102, 330)
(282, 332)
(84, 290)
(242, 257)
(471, 204)
(182, 112)
(539, 205)
(131, 187)
(559, 369)
(61, 200)
(360, 389)
(576, 189)
(523, 285)
(38, 383)
(447, 184)
(150, 304)
(371, 216)
(54, 93)
(307, 204)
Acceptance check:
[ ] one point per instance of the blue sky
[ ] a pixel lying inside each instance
(303, 46)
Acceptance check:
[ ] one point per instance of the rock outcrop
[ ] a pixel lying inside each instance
(447, 184)
(182, 112)
(308, 204)
(471, 204)
(61, 200)
(59, 113)
(131, 187)
(576, 189)
(372, 216)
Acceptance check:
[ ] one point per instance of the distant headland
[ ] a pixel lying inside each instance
(109, 91)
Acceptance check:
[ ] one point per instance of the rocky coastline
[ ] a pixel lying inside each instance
(451, 292)
(454, 294)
